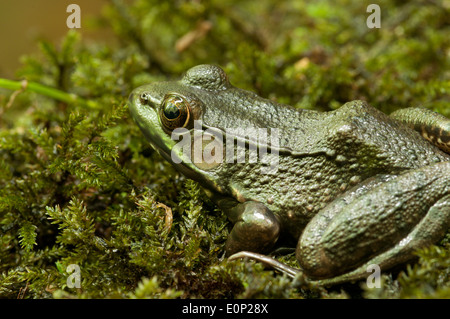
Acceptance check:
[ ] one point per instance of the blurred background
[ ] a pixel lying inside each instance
(310, 54)
(76, 181)
(22, 22)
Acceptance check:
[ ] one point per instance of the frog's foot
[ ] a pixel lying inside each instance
(433, 126)
(384, 226)
(256, 229)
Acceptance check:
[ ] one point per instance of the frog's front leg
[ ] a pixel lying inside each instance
(384, 226)
(255, 228)
(431, 125)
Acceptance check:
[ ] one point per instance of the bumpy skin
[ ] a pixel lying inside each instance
(353, 186)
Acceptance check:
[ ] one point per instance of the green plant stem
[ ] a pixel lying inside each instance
(46, 91)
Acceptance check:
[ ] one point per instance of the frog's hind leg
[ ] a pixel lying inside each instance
(383, 223)
(384, 226)
(429, 230)
(433, 126)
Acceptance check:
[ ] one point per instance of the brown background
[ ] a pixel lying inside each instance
(22, 22)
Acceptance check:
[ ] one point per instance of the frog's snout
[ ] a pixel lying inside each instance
(132, 103)
(138, 100)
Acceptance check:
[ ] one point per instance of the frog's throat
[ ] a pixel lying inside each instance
(189, 170)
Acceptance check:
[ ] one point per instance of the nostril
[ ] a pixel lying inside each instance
(144, 97)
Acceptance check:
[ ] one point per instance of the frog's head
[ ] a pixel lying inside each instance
(163, 108)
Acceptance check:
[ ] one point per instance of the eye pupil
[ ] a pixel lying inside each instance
(171, 111)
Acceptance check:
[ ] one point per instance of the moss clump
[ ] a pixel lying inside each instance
(80, 185)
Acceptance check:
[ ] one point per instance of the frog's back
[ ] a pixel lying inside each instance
(355, 126)
(361, 131)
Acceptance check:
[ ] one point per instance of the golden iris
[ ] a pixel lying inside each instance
(175, 112)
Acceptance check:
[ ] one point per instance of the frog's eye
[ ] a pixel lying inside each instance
(175, 112)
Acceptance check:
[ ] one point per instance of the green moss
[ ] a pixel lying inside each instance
(80, 185)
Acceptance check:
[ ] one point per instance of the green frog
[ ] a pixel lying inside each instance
(349, 188)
